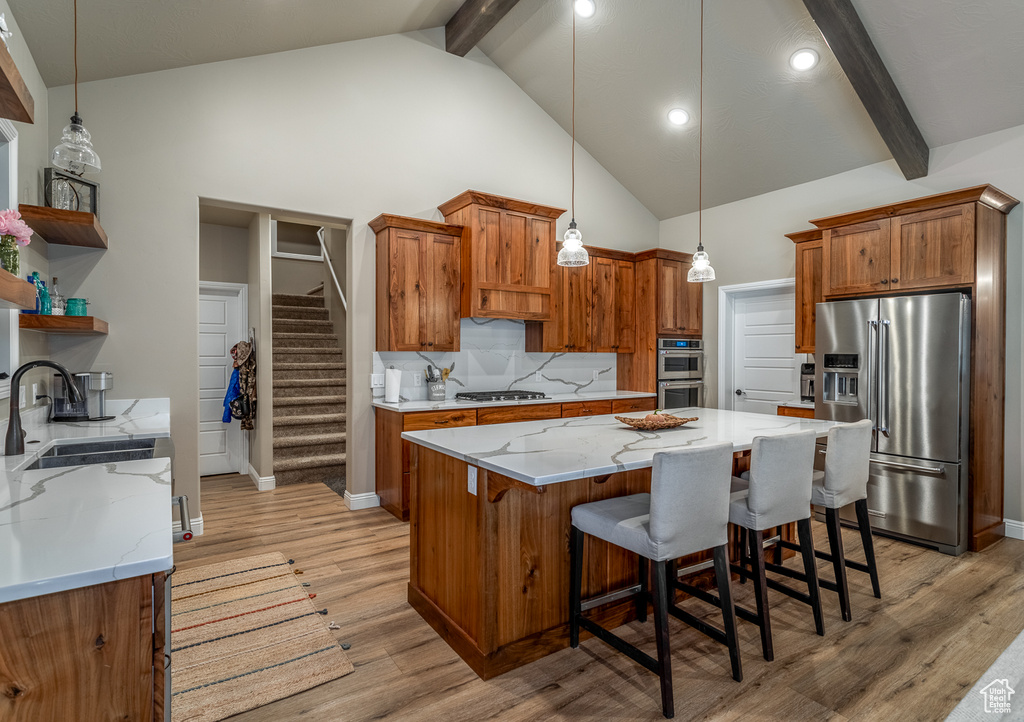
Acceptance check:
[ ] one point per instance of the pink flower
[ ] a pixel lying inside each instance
(12, 225)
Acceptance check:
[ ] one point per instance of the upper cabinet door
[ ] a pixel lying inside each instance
(625, 307)
(605, 300)
(406, 290)
(808, 293)
(442, 298)
(577, 310)
(933, 248)
(855, 259)
(679, 302)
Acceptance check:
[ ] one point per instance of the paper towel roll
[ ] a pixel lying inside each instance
(392, 383)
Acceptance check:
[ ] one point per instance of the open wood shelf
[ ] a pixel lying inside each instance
(62, 324)
(16, 292)
(15, 101)
(65, 228)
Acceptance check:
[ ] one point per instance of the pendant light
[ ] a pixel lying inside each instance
(572, 252)
(74, 153)
(701, 270)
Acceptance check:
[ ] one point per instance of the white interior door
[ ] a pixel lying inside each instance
(221, 326)
(765, 369)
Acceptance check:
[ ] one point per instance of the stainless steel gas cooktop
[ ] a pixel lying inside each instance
(499, 395)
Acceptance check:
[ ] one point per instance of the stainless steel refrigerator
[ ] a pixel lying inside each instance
(904, 363)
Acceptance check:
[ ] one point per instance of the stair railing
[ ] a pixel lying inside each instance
(330, 265)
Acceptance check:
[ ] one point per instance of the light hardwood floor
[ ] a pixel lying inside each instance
(911, 655)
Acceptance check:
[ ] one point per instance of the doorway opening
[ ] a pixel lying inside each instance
(757, 366)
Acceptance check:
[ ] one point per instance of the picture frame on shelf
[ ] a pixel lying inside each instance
(70, 192)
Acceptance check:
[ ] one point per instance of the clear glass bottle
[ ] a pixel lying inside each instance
(57, 301)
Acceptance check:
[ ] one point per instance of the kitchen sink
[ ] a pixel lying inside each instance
(87, 453)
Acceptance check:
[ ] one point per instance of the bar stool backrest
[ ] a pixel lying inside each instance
(781, 469)
(846, 463)
(690, 500)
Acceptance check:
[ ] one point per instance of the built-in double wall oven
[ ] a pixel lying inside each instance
(680, 373)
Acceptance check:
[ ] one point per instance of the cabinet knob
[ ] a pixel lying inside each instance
(430, 344)
(885, 281)
(895, 280)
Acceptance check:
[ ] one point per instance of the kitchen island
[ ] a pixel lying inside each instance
(489, 542)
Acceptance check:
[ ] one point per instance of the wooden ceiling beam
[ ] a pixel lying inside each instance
(472, 22)
(849, 41)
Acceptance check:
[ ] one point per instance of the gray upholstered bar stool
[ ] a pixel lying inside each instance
(845, 481)
(686, 512)
(778, 492)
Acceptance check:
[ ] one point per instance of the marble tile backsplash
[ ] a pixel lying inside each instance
(492, 358)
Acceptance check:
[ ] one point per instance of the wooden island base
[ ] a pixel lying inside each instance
(490, 571)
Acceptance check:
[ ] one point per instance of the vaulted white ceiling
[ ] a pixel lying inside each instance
(959, 66)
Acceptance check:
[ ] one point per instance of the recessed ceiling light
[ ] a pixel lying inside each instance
(803, 59)
(585, 8)
(678, 116)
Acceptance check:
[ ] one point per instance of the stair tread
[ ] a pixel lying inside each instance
(297, 334)
(308, 462)
(303, 383)
(308, 350)
(308, 419)
(311, 400)
(282, 442)
(310, 366)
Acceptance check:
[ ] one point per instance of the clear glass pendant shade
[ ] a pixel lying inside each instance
(701, 269)
(573, 253)
(74, 153)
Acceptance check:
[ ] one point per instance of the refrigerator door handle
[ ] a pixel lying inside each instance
(911, 467)
(883, 378)
(872, 343)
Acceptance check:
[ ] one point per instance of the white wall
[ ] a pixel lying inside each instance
(352, 130)
(223, 253)
(746, 242)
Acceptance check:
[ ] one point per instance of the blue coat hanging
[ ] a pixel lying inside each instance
(234, 391)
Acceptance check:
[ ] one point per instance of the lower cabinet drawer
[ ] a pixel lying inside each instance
(625, 406)
(586, 408)
(796, 411)
(424, 420)
(508, 414)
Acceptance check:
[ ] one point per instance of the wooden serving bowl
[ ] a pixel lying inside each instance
(664, 421)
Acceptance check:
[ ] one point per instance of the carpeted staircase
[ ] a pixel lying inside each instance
(309, 394)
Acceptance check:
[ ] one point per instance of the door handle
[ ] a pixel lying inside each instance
(739, 392)
(910, 467)
(872, 392)
(883, 378)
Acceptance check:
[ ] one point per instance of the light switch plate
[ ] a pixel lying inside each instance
(596, 372)
(21, 397)
(537, 377)
(471, 480)
(376, 381)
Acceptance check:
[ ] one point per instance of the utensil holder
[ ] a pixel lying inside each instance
(436, 391)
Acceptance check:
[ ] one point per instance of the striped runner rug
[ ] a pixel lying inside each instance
(245, 633)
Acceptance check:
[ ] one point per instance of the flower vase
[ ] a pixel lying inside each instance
(10, 255)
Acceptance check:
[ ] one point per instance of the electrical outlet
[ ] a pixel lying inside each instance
(376, 381)
(417, 379)
(595, 374)
(35, 392)
(471, 480)
(21, 397)
(537, 377)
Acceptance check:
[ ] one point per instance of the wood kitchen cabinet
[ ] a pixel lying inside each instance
(808, 289)
(594, 308)
(508, 256)
(667, 305)
(418, 283)
(94, 653)
(948, 241)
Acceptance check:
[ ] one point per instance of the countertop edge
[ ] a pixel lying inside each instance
(404, 407)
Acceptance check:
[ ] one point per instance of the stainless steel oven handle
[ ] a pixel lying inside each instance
(911, 467)
(186, 521)
(883, 378)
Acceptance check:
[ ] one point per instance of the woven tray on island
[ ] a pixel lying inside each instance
(654, 422)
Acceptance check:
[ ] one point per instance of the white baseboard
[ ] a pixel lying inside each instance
(356, 502)
(197, 525)
(1014, 529)
(263, 483)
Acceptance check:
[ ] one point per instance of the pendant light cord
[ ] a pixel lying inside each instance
(572, 199)
(700, 139)
(76, 56)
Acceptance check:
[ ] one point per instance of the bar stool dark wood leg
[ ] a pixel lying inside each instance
(661, 602)
(864, 522)
(803, 528)
(777, 549)
(835, 542)
(723, 576)
(575, 584)
(756, 540)
(645, 592)
(744, 546)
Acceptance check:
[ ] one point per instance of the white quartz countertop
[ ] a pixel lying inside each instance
(546, 452)
(450, 404)
(73, 527)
